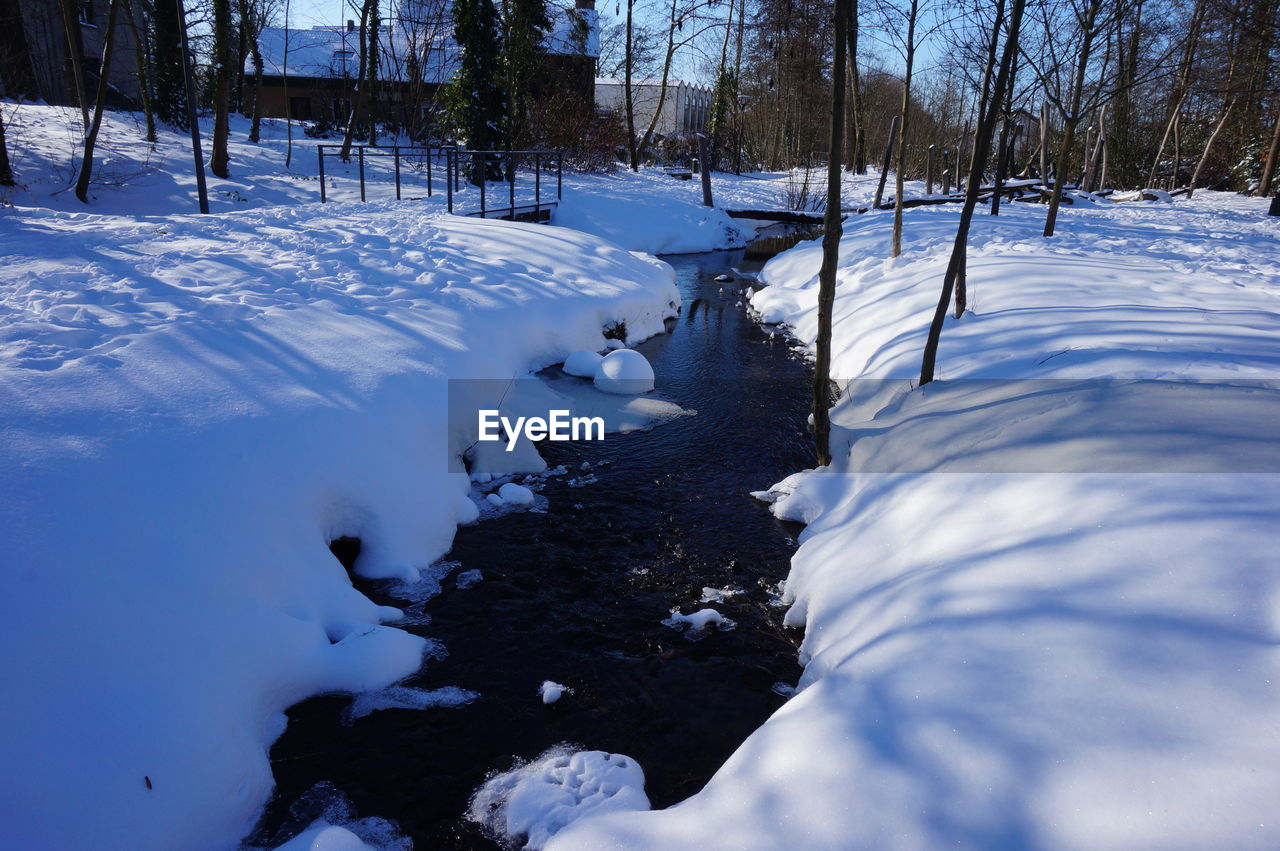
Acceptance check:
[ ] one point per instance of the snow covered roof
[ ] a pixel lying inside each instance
(637, 81)
(334, 51)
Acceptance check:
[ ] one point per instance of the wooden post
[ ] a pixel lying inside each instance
(888, 158)
(928, 170)
(946, 171)
(704, 157)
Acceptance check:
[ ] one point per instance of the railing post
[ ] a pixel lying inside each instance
(537, 187)
(928, 170)
(396, 150)
(320, 154)
(484, 178)
(511, 188)
(448, 175)
(429, 154)
(361, 149)
(559, 177)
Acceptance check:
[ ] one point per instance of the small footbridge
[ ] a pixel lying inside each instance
(514, 185)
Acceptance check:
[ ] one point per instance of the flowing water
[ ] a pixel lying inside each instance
(577, 595)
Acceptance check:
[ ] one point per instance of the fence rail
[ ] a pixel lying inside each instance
(520, 176)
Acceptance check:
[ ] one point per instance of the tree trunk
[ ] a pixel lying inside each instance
(219, 157)
(255, 126)
(361, 84)
(71, 27)
(144, 81)
(628, 61)
(1269, 169)
(981, 148)
(830, 245)
(6, 170)
(1180, 89)
(986, 103)
(888, 159)
(91, 137)
(1062, 167)
(284, 81)
(858, 138)
(1008, 137)
(899, 178)
(666, 74)
(1213, 137)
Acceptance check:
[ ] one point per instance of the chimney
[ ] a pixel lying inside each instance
(351, 26)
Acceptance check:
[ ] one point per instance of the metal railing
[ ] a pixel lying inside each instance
(520, 173)
(478, 168)
(417, 156)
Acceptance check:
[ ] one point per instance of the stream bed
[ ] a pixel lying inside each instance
(577, 595)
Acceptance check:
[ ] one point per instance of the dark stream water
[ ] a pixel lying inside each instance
(577, 595)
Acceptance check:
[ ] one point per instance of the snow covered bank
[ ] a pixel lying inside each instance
(190, 410)
(1084, 659)
(651, 211)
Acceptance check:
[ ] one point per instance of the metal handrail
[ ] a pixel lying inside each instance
(456, 161)
(396, 152)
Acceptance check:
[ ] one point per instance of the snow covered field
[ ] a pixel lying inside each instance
(1041, 597)
(191, 408)
(1055, 651)
(648, 211)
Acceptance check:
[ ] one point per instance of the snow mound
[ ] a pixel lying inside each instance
(553, 691)
(625, 372)
(323, 836)
(583, 364)
(194, 406)
(533, 802)
(698, 621)
(514, 494)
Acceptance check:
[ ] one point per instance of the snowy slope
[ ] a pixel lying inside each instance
(1077, 646)
(648, 211)
(190, 409)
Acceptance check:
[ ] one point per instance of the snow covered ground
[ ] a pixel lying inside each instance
(648, 211)
(1041, 611)
(191, 408)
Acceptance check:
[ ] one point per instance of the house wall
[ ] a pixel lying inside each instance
(686, 108)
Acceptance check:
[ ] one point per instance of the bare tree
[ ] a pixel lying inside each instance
(830, 242)
(140, 63)
(91, 137)
(981, 148)
(71, 28)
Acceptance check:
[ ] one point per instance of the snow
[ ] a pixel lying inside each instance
(582, 364)
(404, 697)
(625, 372)
(326, 837)
(1041, 610)
(514, 494)
(697, 621)
(533, 802)
(468, 578)
(191, 408)
(552, 691)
